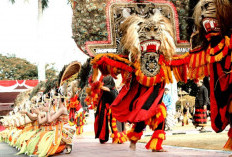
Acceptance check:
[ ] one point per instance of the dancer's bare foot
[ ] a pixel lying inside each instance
(68, 149)
(132, 146)
(161, 150)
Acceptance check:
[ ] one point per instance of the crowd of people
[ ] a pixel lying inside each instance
(39, 127)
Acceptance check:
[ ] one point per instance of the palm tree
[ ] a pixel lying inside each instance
(42, 4)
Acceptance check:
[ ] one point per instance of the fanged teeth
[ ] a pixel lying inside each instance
(144, 45)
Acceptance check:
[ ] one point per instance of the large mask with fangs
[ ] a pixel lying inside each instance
(207, 16)
(145, 39)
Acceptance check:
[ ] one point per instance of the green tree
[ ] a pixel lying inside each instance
(13, 68)
(42, 4)
(51, 72)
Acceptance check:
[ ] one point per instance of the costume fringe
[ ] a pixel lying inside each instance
(93, 94)
(109, 63)
(179, 65)
(79, 130)
(223, 46)
(156, 140)
(200, 59)
(159, 117)
(134, 136)
(117, 137)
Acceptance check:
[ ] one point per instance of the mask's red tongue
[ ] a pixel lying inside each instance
(151, 48)
(211, 25)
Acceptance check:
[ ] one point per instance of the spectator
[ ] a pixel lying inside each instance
(170, 122)
(201, 101)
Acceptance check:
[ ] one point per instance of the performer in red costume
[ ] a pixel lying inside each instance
(150, 47)
(212, 56)
(104, 121)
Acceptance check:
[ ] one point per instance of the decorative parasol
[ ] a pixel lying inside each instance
(70, 70)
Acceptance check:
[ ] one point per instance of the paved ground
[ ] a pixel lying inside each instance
(90, 147)
(7, 151)
(86, 146)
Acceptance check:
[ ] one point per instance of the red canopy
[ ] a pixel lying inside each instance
(8, 83)
(9, 89)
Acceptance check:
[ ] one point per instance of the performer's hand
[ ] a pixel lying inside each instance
(36, 110)
(105, 88)
(205, 107)
(45, 109)
(23, 112)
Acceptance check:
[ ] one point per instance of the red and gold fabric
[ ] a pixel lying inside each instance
(156, 123)
(216, 62)
(93, 94)
(72, 107)
(156, 140)
(111, 64)
(80, 121)
(134, 136)
(161, 114)
(198, 65)
(117, 137)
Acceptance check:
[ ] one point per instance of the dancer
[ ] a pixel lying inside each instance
(103, 114)
(76, 112)
(211, 55)
(150, 47)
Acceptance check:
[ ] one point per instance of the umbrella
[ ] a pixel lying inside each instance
(70, 70)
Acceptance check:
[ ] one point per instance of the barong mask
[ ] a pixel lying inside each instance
(145, 39)
(208, 15)
(214, 15)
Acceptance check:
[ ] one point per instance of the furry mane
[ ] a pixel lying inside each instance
(131, 28)
(167, 36)
(130, 38)
(224, 12)
(197, 15)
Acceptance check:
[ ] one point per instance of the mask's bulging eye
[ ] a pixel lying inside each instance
(206, 5)
(147, 29)
(155, 29)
